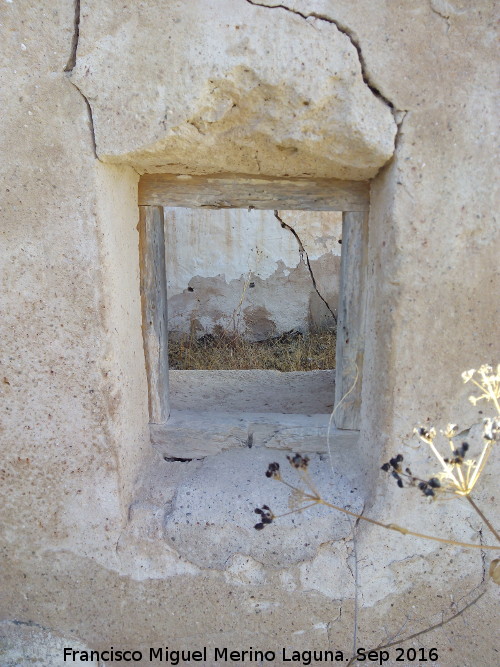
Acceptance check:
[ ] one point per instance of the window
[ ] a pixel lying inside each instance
(197, 432)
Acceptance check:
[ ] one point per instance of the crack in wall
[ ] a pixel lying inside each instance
(483, 558)
(345, 30)
(29, 624)
(69, 67)
(446, 19)
(399, 117)
(91, 120)
(444, 11)
(176, 459)
(303, 253)
(74, 42)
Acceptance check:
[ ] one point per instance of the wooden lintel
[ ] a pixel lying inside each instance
(265, 193)
(193, 435)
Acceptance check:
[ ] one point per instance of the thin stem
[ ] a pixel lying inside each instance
(299, 509)
(462, 481)
(317, 500)
(356, 585)
(490, 388)
(305, 477)
(480, 465)
(493, 391)
(481, 387)
(495, 401)
(489, 392)
(446, 467)
(423, 632)
(483, 517)
(467, 477)
(405, 531)
(291, 486)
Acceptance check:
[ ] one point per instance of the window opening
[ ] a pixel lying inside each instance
(248, 290)
(236, 192)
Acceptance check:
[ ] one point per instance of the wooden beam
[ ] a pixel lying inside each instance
(239, 191)
(351, 320)
(154, 309)
(193, 435)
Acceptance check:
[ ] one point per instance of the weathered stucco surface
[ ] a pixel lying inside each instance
(242, 271)
(267, 99)
(84, 500)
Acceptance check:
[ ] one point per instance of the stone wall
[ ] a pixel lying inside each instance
(242, 271)
(401, 93)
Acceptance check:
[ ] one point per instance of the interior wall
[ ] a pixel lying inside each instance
(240, 270)
(317, 96)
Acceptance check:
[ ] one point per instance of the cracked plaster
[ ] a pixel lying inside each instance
(342, 28)
(253, 275)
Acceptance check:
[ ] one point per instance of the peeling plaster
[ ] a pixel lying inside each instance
(254, 274)
(206, 529)
(303, 252)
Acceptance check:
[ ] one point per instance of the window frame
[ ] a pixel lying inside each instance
(157, 191)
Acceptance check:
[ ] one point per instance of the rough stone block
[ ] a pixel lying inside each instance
(190, 86)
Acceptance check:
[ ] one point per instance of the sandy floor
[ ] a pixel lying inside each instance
(307, 392)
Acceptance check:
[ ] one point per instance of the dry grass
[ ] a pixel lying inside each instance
(230, 351)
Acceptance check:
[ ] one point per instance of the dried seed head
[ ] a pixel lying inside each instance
(298, 461)
(427, 488)
(427, 434)
(395, 462)
(491, 429)
(273, 470)
(450, 431)
(467, 375)
(266, 516)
